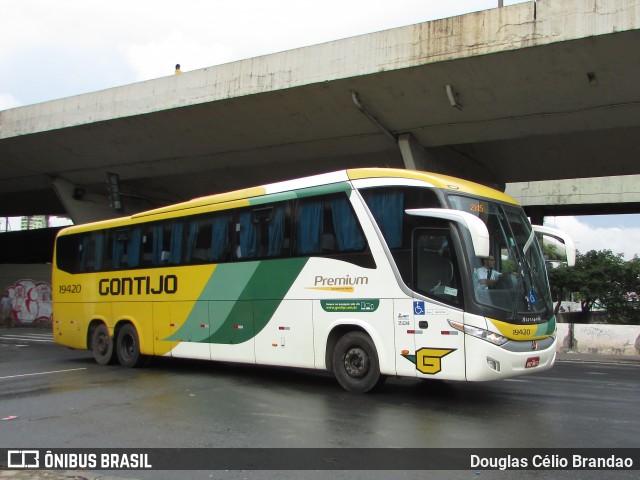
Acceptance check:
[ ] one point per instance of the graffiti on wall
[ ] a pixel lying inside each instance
(28, 301)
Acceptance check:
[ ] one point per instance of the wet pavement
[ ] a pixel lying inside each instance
(35, 334)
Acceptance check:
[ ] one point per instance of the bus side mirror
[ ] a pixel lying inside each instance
(559, 241)
(476, 227)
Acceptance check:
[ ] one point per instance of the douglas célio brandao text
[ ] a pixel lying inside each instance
(552, 461)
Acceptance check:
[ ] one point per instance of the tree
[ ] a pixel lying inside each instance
(602, 278)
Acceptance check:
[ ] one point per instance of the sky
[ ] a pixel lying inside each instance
(55, 49)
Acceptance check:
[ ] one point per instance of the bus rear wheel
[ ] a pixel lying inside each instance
(102, 345)
(355, 363)
(128, 347)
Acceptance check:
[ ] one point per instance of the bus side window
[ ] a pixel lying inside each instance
(309, 223)
(134, 247)
(327, 226)
(208, 239)
(263, 232)
(167, 243)
(387, 207)
(92, 252)
(87, 253)
(71, 253)
(192, 253)
(219, 246)
(147, 241)
(119, 242)
(348, 235)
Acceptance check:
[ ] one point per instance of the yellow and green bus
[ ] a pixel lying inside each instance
(367, 273)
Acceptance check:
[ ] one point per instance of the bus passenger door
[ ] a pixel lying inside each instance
(439, 348)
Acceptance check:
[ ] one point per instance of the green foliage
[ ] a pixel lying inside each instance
(550, 251)
(601, 278)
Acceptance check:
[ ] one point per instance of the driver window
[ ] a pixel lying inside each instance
(435, 267)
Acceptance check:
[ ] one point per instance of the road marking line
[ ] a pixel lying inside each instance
(24, 339)
(42, 373)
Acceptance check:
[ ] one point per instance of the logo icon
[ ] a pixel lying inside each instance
(23, 459)
(429, 360)
(534, 345)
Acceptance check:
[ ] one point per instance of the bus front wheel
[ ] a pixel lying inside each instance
(102, 345)
(355, 363)
(128, 347)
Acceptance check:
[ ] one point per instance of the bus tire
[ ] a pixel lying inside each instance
(355, 363)
(128, 347)
(102, 345)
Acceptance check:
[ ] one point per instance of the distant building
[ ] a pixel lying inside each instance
(33, 222)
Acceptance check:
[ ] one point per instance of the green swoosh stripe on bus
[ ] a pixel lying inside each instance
(246, 299)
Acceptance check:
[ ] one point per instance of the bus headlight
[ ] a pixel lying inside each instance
(480, 333)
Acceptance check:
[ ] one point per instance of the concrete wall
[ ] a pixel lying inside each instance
(11, 273)
(28, 287)
(602, 339)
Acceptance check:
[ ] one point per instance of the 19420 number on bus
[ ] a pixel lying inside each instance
(70, 288)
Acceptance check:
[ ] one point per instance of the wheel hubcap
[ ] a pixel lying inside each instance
(356, 362)
(102, 344)
(128, 345)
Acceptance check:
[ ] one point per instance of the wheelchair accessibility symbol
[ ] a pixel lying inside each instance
(418, 307)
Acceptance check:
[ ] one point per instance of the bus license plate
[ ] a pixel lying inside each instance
(532, 362)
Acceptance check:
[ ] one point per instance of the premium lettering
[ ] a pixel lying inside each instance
(340, 281)
(138, 285)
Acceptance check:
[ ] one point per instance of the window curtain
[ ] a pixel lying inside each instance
(99, 251)
(248, 235)
(387, 209)
(134, 247)
(118, 251)
(219, 238)
(276, 232)
(348, 234)
(309, 228)
(192, 236)
(84, 253)
(176, 243)
(158, 232)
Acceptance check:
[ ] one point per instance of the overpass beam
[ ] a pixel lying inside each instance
(81, 206)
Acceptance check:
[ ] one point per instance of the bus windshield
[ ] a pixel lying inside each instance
(513, 279)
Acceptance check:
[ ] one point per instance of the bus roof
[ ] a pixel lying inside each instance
(242, 197)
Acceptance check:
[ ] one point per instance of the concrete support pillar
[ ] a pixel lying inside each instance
(445, 160)
(413, 154)
(82, 207)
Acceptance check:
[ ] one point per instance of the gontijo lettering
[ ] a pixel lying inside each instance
(138, 285)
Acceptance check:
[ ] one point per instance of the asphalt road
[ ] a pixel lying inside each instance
(52, 397)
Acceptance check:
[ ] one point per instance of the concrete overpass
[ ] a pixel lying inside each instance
(529, 92)
(580, 196)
